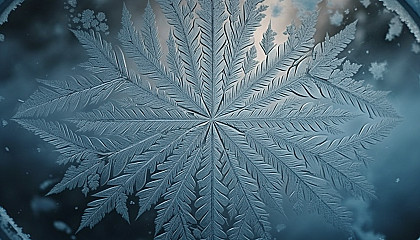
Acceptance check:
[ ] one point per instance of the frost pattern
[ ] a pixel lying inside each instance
(9, 229)
(405, 17)
(206, 134)
(87, 19)
(7, 7)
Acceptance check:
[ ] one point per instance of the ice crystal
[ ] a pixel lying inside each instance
(87, 19)
(9, 229)
(72, 3)
(212, 137)
(404, 15)
(336, 19)
(378, 69)
(7, 6)
(395, 28)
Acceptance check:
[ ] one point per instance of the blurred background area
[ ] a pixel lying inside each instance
(37, 44)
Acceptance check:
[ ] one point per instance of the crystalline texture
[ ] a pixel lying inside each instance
(378, 69)
(6, 7)
(9, 229)
(206, 134)
(405, 17)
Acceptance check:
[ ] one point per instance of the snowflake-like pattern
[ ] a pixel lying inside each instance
(212, 138)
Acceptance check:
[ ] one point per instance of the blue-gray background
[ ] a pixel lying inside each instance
(38, 45)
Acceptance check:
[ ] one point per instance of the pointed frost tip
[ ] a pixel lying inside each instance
(79, 229)
(353, 25)
(82, 226)
(138, 215)
(126, 16)
(51, 192)
(124, 9)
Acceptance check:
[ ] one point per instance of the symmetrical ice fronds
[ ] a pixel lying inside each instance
(8, 228)
(209, 133)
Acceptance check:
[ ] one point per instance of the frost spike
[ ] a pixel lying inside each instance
(150, 32)
(267, 42)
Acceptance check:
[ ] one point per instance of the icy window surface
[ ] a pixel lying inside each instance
(217, 130)
(210, 119)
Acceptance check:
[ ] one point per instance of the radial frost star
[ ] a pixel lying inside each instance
(207, 134)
